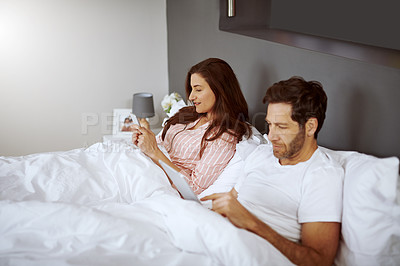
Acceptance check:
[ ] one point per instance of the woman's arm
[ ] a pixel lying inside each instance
(145, 139)
(215, 158)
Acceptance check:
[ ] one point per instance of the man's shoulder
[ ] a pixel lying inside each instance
(264, 150)
(325, 158)
(262, 153)
(324, 163)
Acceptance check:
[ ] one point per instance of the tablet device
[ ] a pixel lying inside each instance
(180, 182)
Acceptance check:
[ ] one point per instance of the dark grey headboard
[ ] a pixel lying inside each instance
(363, 98)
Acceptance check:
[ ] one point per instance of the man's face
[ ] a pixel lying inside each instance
(286, 136)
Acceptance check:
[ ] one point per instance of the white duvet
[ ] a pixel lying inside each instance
(111, 205)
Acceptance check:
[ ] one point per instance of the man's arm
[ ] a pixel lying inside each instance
(319, 240)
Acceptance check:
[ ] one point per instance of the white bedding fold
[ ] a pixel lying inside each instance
(103, 172)
(116, 234)
(111, 205)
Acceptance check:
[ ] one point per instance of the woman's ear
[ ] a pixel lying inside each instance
(311, 126)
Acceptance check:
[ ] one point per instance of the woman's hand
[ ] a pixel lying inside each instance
(135, 134)
(146, 141)
(135, 129)
(144, 123)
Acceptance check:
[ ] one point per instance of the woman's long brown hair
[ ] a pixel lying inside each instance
(230, 111)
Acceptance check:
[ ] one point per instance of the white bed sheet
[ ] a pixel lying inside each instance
(110, 205)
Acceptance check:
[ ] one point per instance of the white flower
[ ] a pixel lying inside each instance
(176, 107)
(169, 100)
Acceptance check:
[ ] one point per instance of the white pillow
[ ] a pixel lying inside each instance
(235, 168)
(371, 212)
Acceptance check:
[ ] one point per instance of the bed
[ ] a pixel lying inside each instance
(110, 205)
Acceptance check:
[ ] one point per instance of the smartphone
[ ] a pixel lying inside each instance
(135, 119)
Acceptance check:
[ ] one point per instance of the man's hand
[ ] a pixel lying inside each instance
(228, 206)
(319, 240)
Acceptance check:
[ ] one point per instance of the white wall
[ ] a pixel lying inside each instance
(62, 61)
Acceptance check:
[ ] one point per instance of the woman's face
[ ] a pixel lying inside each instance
(201, 95)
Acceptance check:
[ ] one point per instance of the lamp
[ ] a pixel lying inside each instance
(142, 105)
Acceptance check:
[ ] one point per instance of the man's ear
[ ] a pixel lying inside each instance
(311, 126)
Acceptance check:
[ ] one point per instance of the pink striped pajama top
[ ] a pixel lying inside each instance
(183, 147)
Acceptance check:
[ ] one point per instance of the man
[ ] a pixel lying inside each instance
(291, 194)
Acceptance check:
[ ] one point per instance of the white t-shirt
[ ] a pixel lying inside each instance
(284, 196)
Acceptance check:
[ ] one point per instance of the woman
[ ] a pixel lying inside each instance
(201, 139)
